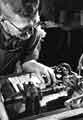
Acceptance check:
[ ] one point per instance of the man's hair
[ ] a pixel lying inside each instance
(23, 7)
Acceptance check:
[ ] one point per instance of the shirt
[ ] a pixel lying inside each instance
(14, 49)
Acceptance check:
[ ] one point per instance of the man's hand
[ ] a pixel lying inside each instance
(40, 70)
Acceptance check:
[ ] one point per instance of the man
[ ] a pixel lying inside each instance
(20, 37)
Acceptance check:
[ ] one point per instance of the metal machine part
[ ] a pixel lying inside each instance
(24, 94)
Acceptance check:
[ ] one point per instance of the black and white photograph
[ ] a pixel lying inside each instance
(41, 59)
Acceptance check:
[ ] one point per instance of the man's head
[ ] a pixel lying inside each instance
(22, 13)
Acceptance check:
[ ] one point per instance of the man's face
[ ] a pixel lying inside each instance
(21, 17)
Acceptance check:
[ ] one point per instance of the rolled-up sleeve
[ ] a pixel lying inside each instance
(33, 55)
(32, 50)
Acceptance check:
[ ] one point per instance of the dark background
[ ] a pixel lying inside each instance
(62, 45)
(56, 48)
